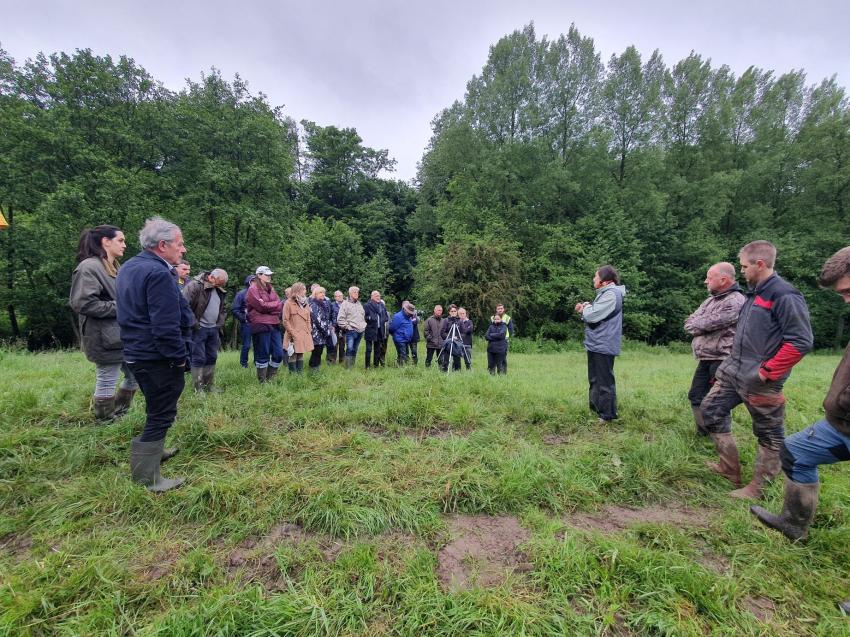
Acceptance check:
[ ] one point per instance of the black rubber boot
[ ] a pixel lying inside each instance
(299, 366)
(123, 400)
(145, 458)
(798, 510)
(198, 379)
(291, 367)
(271, 372)
(209, 380)
(104, 409)
(262, 374)
(729, 463)
(698, 420)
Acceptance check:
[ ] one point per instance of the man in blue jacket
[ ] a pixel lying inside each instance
(156, 324)
(240, 312)
(402, 328)
(603, 332)
(774, 333)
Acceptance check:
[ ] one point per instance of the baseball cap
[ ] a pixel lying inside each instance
(264, 270)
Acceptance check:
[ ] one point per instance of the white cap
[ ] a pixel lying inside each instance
(264, 270)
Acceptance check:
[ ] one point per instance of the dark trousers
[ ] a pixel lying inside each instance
(402, 352)
(430, 351)
(764, 401)
(702, 381)
(414, 356)
(455, 357)
(161, 385)
(603, 387)
(497, 362)
(205, 345)
(245, 334)
(316, 355)
(374, 346)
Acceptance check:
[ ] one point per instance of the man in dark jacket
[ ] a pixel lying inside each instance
(376, 333)
(206, 297)
(452, 348)
(240, 313)
(336, 351)
(433, 330)
(603, 333)
(773, 334)
(156, 324)
(713, 327)
(825, 442)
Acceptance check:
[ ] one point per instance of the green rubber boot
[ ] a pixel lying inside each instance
(145, 458)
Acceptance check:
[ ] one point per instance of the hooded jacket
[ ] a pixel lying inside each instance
(603, 321)
(402, 327)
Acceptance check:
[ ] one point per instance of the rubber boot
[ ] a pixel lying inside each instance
(123, 400)
(291, 367)
(347, 363)
(766, 469)
(262, 374)
(198, 379)
(209, 380)
(729, 464)
(145, 458)
(104, 408)
(698, 420)
(168, 454)
(844, 607)
(798, 510)
(299, 366)
(271, 372)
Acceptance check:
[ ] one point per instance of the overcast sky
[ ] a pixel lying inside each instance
(386, 68)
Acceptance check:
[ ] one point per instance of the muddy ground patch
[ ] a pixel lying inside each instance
(612, 519)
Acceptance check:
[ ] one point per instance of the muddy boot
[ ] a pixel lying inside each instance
(766, 469)
(145, 458)
(272, 372)
(698, 420)
(798, 510)
(198, 379)
(729, 465)
(262, 374)
(104, 408)
(209, 380)
(123, 400)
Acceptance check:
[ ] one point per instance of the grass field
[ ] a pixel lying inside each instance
(404, 502)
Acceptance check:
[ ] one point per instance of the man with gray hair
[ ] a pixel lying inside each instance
(773, 335)
(155, 323)
(351, 319)
(713, 327)
(206, 297)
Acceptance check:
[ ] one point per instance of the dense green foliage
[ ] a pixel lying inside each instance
(553, 163)
(373, 467)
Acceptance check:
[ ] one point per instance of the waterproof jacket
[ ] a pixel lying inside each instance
(93, 299)
(465, 326)
(240, 308)
(433, 331)
(603, 321)
(774, 333)
(155, 319)
(509, 323)
(713, 324)
(376, 321)
(264, 308)
(497, 338)
(351, 316)
(415, 320)
(402, 327)
(321, 324)
(837, 402)
(298, 326)
(446, 330)
(198, 292)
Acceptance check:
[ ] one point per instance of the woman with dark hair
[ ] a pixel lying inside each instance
(93, 299)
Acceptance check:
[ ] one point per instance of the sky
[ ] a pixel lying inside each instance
(388, 67)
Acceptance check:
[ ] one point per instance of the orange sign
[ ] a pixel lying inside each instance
(3, 223)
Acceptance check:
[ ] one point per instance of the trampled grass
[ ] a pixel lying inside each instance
(318, 505)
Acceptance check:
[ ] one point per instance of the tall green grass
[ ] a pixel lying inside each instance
(375, 461)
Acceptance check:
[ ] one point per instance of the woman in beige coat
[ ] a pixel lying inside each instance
(296, 321)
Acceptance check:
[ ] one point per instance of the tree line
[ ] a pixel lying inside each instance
(553, 163)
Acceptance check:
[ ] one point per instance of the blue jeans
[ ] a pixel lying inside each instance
(245, 334)
(205, 344)
(268, 345)
(352, 342)
(819, 444)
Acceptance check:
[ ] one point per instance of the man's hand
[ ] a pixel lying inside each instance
(580, 307)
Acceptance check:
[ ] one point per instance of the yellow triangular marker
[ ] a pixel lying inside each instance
(3, 223)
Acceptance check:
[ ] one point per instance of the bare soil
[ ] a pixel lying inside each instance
(763, 608)
(483, 551)
(617, 518)
(16, 545)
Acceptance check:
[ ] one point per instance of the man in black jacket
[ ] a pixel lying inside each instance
(155, 323)
(206, 297)
(377, 321)
(773, 334)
